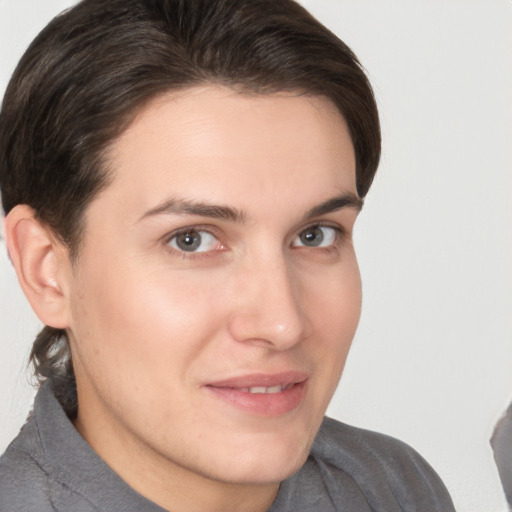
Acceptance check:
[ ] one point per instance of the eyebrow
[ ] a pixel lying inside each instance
(346, 200)
(177, 206)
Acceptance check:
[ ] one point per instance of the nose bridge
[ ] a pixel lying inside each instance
(269, 309)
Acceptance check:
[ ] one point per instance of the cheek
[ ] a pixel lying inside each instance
(139, 322)
(335, 302)
(335, 310)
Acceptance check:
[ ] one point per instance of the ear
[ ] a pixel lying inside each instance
(41, 263)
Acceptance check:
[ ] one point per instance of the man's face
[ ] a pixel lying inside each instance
(217, 291)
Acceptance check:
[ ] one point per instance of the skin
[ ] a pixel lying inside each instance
(152, 326)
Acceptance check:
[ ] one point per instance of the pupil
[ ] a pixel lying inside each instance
(189, 241)
(312, 237)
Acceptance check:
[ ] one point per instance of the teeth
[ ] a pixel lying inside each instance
(257, 389)
(261, 389)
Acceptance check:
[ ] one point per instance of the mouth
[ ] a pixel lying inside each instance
(262, 395)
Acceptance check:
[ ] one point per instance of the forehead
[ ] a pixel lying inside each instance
(221, 145)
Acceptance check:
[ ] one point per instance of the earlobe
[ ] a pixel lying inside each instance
(38, 259)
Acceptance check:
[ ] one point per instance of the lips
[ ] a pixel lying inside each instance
(262, 394)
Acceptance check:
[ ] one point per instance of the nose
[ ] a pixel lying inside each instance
(269, 307)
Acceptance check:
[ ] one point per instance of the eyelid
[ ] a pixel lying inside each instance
(340, 234)
(200, 228)
(324, 224)
(193, 227)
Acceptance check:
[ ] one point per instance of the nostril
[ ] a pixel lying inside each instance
(266, 329)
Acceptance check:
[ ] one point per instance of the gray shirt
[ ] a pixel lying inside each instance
(50, 467)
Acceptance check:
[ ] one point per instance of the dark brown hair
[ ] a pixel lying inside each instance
(87, 74)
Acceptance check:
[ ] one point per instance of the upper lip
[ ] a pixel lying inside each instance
(261, 380)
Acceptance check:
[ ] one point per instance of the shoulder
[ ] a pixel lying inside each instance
(23, 480)
(28, 482)
(355, 444)
(384, 468)
(49, 467)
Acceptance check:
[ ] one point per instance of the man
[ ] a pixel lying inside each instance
(181, 181)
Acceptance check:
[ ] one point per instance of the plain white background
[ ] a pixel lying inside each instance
(432, 359)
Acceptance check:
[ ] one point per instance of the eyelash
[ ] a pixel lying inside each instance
(193, 255)
(334, 247)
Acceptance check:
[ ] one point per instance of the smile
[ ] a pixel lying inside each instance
(262, 395)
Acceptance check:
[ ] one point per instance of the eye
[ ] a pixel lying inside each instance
(316, 236)
(194, 240)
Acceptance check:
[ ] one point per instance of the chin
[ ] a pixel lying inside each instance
(265, 451)
(265, 461)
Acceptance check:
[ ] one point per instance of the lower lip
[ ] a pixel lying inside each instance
(262, 404)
